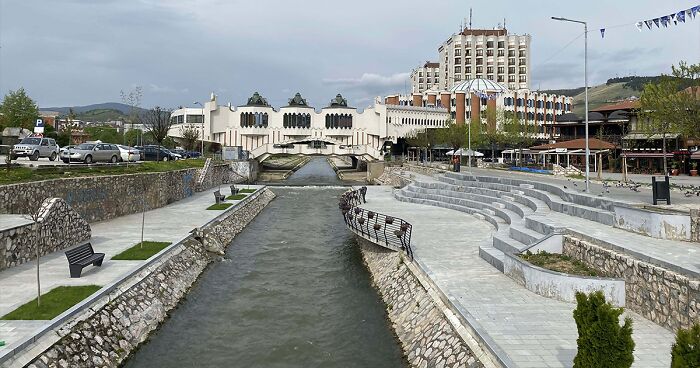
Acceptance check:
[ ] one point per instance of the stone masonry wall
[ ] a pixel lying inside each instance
(106, 334)
(427, 338)
(59, 227)
(668, 298)
(105, 197)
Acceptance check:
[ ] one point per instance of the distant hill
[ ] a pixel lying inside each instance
(604, 94)
(122, 108)
(101, 115)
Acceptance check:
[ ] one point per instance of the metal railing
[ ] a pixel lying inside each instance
(391, 232)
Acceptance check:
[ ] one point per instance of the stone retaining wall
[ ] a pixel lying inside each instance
(59, 227)
(112, 327)
(660, 295)
(427, 337)
(101, 198)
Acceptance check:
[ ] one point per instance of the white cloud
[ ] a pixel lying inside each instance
(370, 81)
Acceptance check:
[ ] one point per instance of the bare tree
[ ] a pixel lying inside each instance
(35, 214)
(133, 100)
(157, 122)
(189, 135)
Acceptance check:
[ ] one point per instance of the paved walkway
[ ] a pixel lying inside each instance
(169, 223)
(532, 331)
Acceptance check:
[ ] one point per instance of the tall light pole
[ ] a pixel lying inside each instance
(202, 106)
(585, 78)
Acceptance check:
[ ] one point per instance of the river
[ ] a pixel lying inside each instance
(291, 292)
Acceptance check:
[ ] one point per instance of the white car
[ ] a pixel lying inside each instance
(130, 154)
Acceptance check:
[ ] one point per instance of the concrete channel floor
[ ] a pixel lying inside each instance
(169, 223)
(530, 330)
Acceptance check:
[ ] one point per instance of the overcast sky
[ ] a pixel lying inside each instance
(78, 52)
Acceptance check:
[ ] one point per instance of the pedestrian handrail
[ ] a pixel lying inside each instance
(384, 230)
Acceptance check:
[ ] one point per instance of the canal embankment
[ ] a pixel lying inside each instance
(105, 328)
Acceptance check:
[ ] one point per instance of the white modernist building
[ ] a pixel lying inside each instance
(298, 128)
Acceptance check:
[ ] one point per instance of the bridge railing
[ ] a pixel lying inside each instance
(388, 231)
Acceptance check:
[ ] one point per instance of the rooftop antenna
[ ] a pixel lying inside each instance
(470, 18)
(504, 23)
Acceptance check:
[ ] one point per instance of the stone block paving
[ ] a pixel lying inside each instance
(529, 330)
(169, 223)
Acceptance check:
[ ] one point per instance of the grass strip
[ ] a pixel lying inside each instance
(138, 252)
(53, 303)
(220, 206)
(236, 197)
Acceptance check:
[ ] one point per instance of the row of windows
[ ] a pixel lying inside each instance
(510, 101)
(296, 120)
(489, 44)
(412, 121)
(191, 119)
(253, 119)
(343, 121)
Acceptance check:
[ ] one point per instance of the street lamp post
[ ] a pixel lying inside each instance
(585, 77)
(200, 104)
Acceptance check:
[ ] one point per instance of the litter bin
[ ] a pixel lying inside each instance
(661, 190)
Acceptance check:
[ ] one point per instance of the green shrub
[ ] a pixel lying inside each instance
(686, 351)
(602, 342)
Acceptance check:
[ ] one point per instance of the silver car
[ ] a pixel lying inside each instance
(34, 148)
(92, 152)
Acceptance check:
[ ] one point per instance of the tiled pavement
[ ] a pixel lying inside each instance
(532, 331)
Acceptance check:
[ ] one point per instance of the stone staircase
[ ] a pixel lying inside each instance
(523, 212)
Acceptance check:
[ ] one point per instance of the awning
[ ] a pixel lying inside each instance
(647, 154)
(695, 155)
(463, 152)
(642, 136)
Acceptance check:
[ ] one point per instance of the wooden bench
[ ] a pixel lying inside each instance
(234, 190)
(81, 257)
(218, 197)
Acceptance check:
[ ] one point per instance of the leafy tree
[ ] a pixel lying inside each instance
(685, 352)
(104, 134)
(516, 133)
(602, 342)
(131, 137)
(418, 139)
(189, 135)
(18, 110)
(453, 135)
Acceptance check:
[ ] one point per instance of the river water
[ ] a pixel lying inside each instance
(291, 292)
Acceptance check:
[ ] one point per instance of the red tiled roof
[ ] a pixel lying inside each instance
(624, 105)
(593, 143)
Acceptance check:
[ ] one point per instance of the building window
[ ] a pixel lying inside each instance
(489, 69)
(458, 52)
(468, 52)
(468, 61)
(501, 44)
(489, 44)
(523, 78)
(511, 78)
(522, 70)
(195, 119)
(501, 70)
(479, 69)
(521, 53)
(501, 53)
(511, 61)
(458, 61)
(522, 62)
(479, 52)
(254, 119)
(468, 69)
(489, 52)
(479, 61)
(338, 121)
(458, 69)
(511, 53)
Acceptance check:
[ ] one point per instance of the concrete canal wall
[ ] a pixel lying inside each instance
(430, 334)
(104, 329)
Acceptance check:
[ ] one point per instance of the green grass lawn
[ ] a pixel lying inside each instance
(24, 174)
(244, 191)
(220, 206)
(236, 197)
(137, 252)
(53, 303)
(560, 263)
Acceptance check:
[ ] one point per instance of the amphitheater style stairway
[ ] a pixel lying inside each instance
(524, 212)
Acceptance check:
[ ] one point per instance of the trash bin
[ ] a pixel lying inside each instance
(660, 190)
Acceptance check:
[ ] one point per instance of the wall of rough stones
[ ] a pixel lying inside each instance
(666, 297)
(426, 336)
(394, 176)
(59, 227)
(105, 197)
(106, 334)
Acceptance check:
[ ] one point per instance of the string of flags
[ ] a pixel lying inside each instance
(665, 21)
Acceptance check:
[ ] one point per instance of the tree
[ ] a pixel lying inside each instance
(133, 100)
(104, 134)
(418, 139)
(685, 352)
(36, 213)
(18, 110)
(453, 135)
(189, 135)
(131, 137)
(515, 133)
(661, 110)
(602, 342)
(157, 122)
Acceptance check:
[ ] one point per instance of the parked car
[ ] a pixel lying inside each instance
(181, 152)
(66, 148)
(92, 152)
(193, 154)
(129, 154)
(34, 148)
(155, 153)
